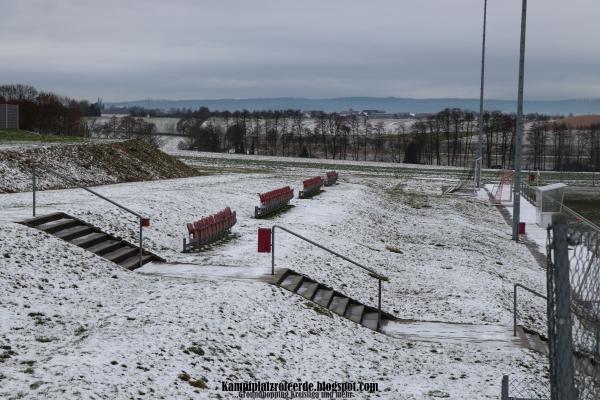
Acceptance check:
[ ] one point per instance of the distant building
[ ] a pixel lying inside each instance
(9, 116)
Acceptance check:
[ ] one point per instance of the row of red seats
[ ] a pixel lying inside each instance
(276, 196)
(332, 178)
(312, 183)
(212, 227)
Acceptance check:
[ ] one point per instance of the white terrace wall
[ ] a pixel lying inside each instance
(9, 116)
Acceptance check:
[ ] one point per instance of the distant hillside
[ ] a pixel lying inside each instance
(581, 121)
(387, 104)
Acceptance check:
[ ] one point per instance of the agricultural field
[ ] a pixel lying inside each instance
(77, 325)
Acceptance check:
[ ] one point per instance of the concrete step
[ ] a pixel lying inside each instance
(291, 282)
(307, 289)
(370, 320)
(89, 239)
(58, 225)
(532, 341)
(338, 304)
(354, 312)
(121, 254)
(323, 296)
(42, 219)
(132, 263)
(74, 232)
(105, 246)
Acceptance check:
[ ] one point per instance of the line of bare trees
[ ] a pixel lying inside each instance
(47, 112)
(445, 138)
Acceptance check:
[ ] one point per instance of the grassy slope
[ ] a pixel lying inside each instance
(18, 135)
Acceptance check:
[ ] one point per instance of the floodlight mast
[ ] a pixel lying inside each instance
(480, 144)
(519, 136)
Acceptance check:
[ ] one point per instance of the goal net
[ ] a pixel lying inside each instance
(467, 185)
(502, 191)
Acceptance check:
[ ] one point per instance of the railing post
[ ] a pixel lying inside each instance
(504, 387)
(273, 250)
(33, 184)
(379, 308)
(515, 311)
(141, 240)
(563, 356)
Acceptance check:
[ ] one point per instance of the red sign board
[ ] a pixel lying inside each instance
(264, 240)
(145, 222)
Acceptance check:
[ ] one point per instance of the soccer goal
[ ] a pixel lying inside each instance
(467, 185)
(502, 191)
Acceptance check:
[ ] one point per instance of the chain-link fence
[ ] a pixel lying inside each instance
(574, 308)
(520, 389)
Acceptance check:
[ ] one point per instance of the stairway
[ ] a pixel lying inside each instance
(328, 298)
(82, 234)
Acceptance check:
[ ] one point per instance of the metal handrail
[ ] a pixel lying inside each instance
(518, 285)
(55, 173)
(581, 218)
(370, 271)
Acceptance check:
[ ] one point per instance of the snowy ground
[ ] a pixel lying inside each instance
(77, 326)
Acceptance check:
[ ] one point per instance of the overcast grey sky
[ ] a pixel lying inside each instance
(186, 49)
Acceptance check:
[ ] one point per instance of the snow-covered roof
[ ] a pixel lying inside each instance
(553, 186)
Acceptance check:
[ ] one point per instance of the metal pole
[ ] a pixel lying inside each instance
(273, 251)
(519, 138)
(141, 239)
(379, 308)
(33, 185)
(565, 384)
(480, 144)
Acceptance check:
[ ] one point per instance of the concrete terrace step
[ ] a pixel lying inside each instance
(42, 219)
(307, 289)
(89, 240)
(74, 232)
(370, 320)
(323, 297)
(354, 312)
(84, 235)
(339, 304)
(330, 299)
(291, 282)
(121, 254)
(58, 225)
(532, 341)
(134, 262)
(105, 246)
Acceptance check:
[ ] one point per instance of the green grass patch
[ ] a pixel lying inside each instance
(19, 136)
(394, 250)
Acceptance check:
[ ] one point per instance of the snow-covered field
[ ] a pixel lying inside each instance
(74, 325)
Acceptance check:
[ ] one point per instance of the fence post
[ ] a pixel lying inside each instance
(504, 387)
(141, 241)
(563, 350)
(33, 184)
(379, 307)
(273, 250)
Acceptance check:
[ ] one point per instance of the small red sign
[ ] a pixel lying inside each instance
(521, 228)
(264, 240)
(145, 222)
